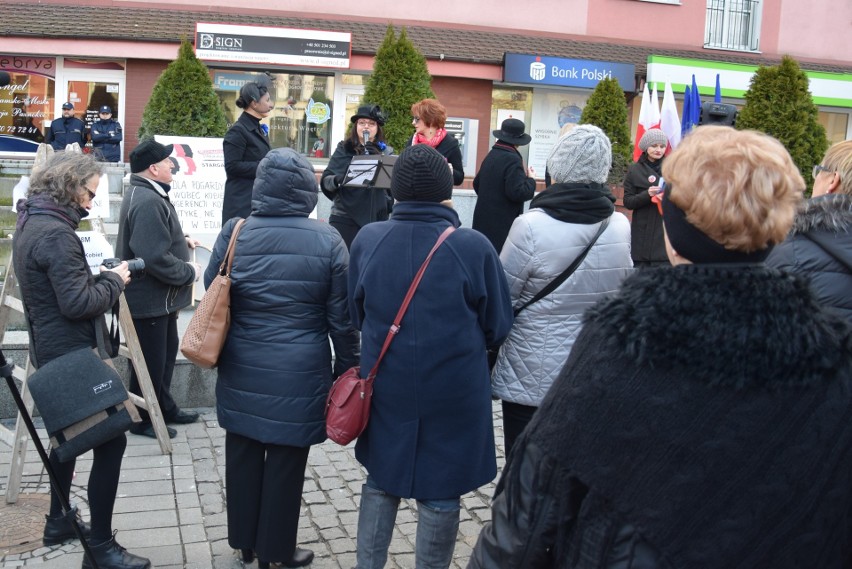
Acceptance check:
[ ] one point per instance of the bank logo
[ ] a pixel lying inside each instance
(205, 41)
(537, 69)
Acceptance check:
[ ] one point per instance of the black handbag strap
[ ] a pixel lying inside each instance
(554, 284)
(397, 321)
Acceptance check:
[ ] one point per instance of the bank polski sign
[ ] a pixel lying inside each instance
(546, 70)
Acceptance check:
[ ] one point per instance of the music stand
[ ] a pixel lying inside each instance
(370, 171)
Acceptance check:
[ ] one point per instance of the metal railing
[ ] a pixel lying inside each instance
(733, 24)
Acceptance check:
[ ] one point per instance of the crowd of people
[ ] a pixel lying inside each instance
(691, 413)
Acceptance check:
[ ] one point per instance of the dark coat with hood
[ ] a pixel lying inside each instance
(62, 298)
(502, 186)
(689, 428)
(820, 248)
(361, 205)
(288, 296)
(244, 146)
(430, 434)
(149, 228)
(646, 228)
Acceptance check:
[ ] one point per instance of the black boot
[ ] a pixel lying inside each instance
(59, 529)
(110, 555)
(301, 557)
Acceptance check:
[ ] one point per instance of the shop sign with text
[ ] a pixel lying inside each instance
(546, 70)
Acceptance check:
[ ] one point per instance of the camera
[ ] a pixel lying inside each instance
(135, 266)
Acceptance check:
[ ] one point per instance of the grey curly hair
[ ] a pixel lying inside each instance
(63, 177)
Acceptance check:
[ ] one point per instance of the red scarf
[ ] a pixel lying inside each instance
(434, 141)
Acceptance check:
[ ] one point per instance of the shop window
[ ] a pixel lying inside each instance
(836, 125)
(302, 116)
(733, 24)
(26, 109)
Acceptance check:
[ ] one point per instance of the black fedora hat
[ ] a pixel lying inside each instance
(372, 112)
(512, 131)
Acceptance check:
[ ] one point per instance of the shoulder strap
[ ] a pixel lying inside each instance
(554, 284)
(394, 329)
(229, 254)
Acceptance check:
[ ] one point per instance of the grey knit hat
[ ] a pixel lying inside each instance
(584, 154)
(652, 137)
(421, 174)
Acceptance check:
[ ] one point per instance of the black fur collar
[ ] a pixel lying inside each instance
(739, 326)
(832, 213)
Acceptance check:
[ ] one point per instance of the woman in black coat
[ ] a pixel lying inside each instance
(353, 207)
(820, 245)
(288, 298)
(429, 117)
(641, 183)
(244, 146)
(64, 303)
(502, 184)
(702, 418)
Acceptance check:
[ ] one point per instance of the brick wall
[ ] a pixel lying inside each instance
(142, 75)
(469, 98)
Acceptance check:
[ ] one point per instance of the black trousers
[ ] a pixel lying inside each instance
(347, 228)
(103, 484)
(264, 496)
(158, 338)
(515, 418)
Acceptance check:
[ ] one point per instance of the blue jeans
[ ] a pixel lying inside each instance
(437, 529)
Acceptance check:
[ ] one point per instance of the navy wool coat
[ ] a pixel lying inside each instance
(430, 434)
(288, 297)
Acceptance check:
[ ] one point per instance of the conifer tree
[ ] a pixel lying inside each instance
(183, 102)
(607, 110)
(400, 78)
(779, 103)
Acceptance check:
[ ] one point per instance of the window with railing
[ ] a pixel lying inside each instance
(733, 24)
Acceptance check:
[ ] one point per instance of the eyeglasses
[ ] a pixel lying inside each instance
(820, 168)
(415, 119)
(91, 194)
(366, 123)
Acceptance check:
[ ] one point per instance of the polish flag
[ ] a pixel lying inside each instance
(647, 121)
(669, 121)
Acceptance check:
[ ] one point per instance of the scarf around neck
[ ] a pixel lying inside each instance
(577, 202)
(434, 141)
(40, 204)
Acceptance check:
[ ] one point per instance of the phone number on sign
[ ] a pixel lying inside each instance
(18, 129)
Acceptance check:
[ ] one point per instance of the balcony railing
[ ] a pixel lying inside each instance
(733, 24)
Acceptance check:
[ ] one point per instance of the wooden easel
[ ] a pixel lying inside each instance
(131, 349)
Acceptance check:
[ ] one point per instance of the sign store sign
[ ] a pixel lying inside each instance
(545, 70)
(276, 46)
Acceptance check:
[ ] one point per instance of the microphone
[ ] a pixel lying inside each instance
(366, 136)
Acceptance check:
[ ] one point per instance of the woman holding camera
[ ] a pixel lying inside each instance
(354, 207)
(64, 303)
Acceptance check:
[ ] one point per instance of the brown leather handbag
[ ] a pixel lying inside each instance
(347, 408)
(205, 335)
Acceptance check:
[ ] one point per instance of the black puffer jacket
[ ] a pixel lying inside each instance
(690, 428)
(646, 229)
(62, 297)
(287, 298)
(820, 248)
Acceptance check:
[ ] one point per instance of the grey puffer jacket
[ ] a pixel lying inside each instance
(819, 247)
(538, 249)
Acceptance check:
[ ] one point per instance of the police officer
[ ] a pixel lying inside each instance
(66, 130)
(106, 136)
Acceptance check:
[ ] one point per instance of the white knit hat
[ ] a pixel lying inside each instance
(652, 137)
(584, 154)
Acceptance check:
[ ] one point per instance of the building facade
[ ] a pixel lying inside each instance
(489, 60)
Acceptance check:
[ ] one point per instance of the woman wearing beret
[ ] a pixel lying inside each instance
(353, 207)
(502, 184)
(702, 418)
(429, 117)
(244, 146)
(641, 183)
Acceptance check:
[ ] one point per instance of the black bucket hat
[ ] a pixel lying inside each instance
(512, 131)
(372, 112)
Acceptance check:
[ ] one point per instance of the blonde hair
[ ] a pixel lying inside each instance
(839, 159)
(740, 188)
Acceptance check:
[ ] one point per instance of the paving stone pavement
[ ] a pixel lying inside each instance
(171, 509)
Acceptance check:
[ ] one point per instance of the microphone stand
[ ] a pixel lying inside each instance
(68, 512)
